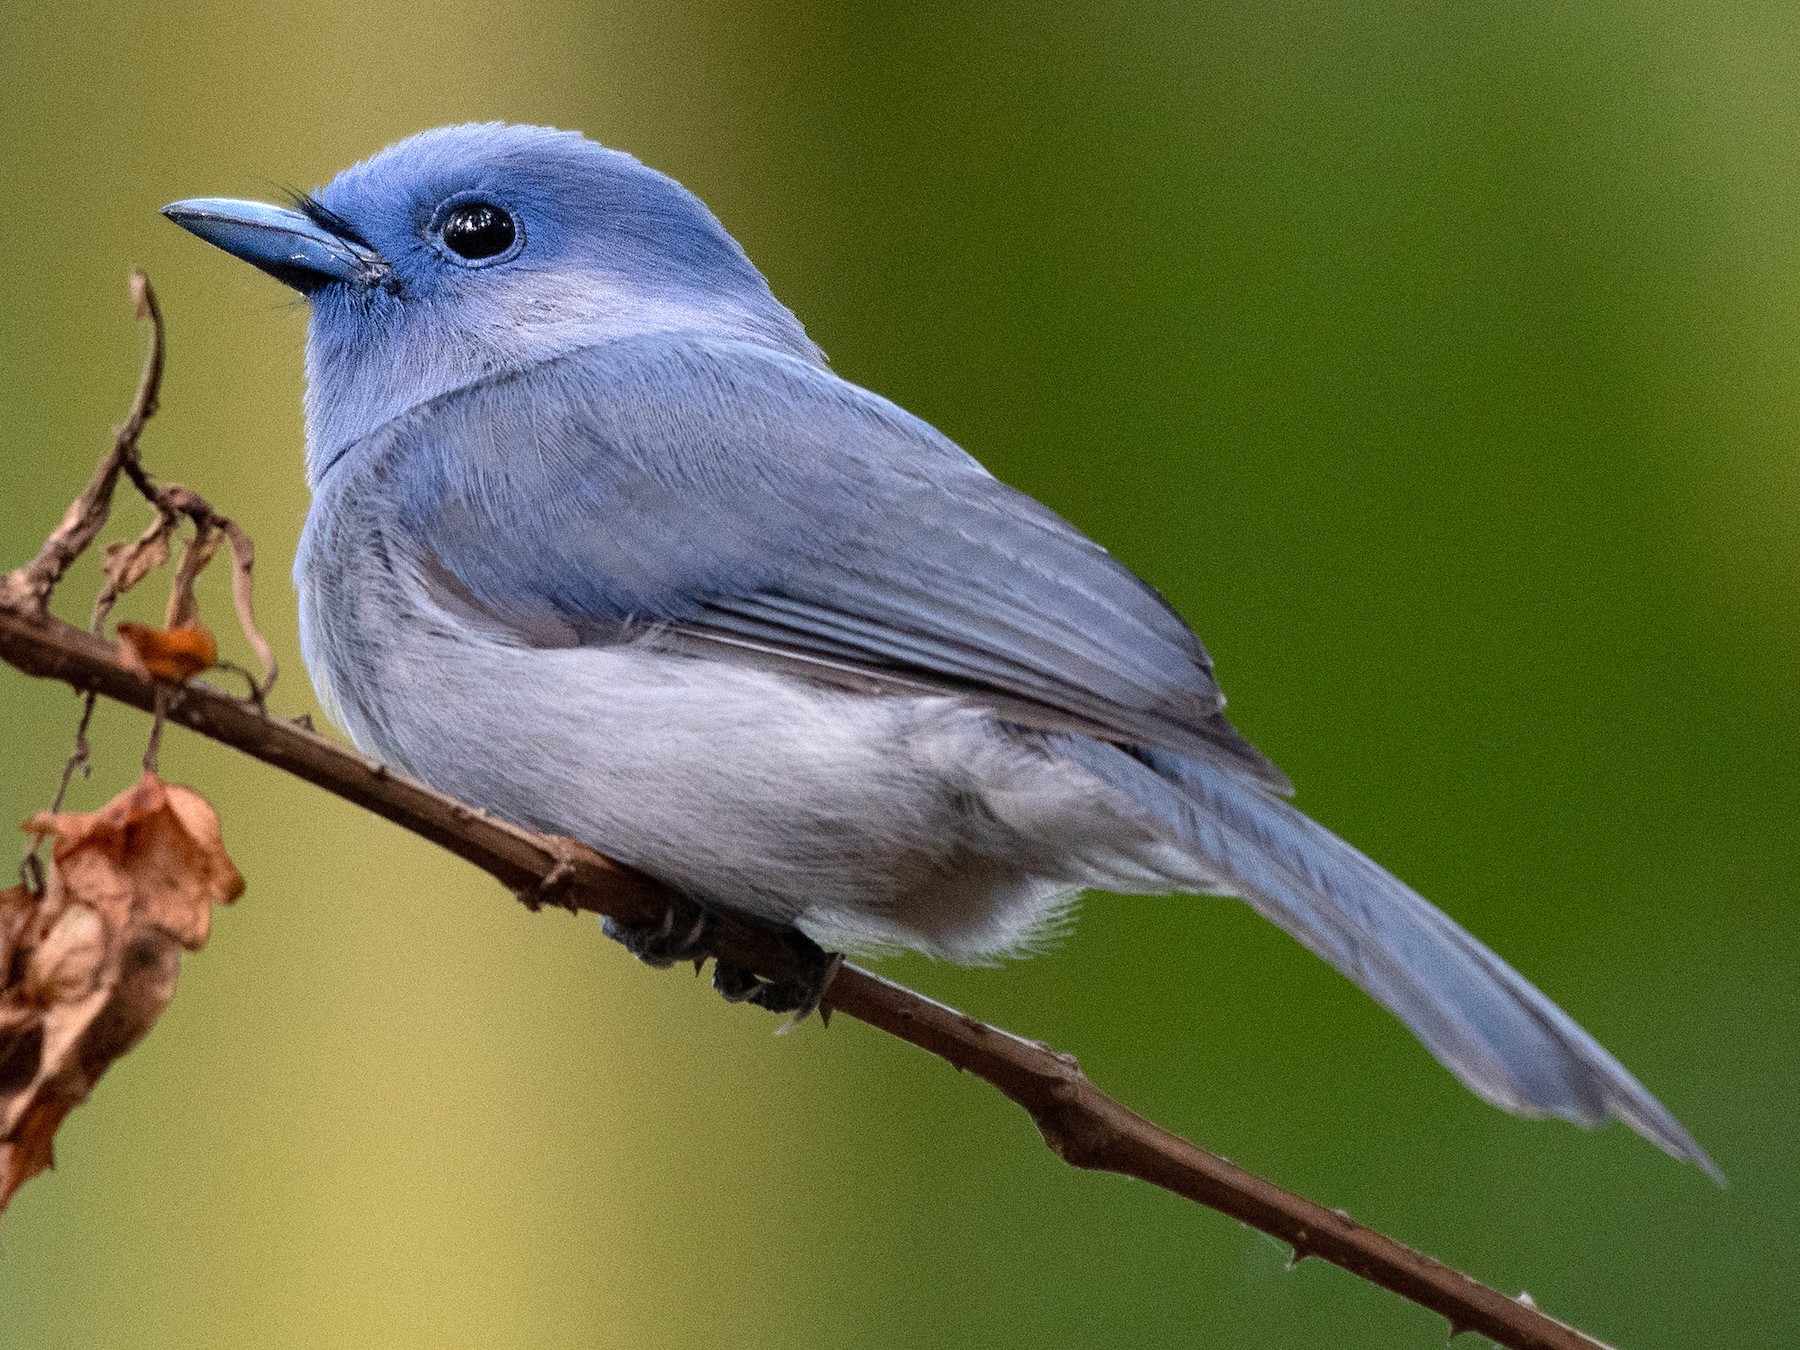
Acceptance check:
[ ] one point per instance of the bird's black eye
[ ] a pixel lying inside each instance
(478, 231)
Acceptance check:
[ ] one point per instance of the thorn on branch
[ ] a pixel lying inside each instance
(1300, 1250)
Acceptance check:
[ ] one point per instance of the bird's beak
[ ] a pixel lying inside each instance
(288, 245)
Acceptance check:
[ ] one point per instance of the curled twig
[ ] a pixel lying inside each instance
(126, 564)
(211, 530)
(31, 867)
(79, 761)
(183, 609)
(243, 562)
(31, 586)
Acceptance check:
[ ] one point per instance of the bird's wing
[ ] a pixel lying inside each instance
(760, 507)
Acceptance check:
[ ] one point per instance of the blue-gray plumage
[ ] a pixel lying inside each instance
(601, 544)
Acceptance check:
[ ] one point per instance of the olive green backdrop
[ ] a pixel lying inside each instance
(1441, 363)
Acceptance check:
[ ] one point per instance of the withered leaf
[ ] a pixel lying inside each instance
(129, 561)
(171, 654)
(87, 967)
(184, 610)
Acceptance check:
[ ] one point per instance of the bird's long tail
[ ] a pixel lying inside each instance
(1483, 1020)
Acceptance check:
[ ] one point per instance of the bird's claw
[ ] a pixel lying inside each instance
(685, 934)
(801, 995)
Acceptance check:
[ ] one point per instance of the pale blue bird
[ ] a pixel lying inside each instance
(599, 543)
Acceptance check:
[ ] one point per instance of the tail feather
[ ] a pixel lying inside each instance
(1483, 1021)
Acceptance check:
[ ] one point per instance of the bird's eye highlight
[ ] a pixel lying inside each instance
(478, 231)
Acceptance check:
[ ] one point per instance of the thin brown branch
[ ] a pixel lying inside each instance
(31, 585)
(1082, 1124)
(131, 562)
(243, 564)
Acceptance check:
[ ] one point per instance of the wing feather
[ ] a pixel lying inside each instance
(738, 492)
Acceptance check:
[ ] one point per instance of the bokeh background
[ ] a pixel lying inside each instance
(1442, 363)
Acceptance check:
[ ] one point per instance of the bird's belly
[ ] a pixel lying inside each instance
(866, 820)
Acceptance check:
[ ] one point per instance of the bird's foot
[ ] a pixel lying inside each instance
(684, 934)
(800, 995)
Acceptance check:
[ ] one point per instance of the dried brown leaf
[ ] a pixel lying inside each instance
(128, 562)
(183, 609)
(17, 906)
(66, 963)
(87, 967)
(171, 654)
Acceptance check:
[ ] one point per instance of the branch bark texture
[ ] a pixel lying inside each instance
(1080, 1123)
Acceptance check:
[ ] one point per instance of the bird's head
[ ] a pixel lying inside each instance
(471, 249)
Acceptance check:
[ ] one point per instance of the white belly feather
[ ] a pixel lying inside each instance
(865, 820)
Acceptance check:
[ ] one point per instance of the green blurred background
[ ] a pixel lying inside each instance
(1442, 363)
